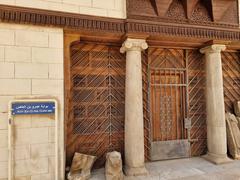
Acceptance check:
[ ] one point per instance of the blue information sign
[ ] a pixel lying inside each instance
(33, 108)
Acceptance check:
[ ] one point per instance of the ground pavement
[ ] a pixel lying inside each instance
(184, 169)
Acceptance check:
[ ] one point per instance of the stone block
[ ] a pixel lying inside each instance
(17, 54)
(115, 14)
(23, 178)
(3, 121)
(15, 86)
(33, 4)
(81, 167)
(6, 70)
(113, 166)
(93, 11)
(51, 132)
(47, 87)
(22, 152)
(39, 135)
(42, 150)
(120, 5)
(43, 177)
(31, 38)
(4, 100)
(6, 37)
(51, 165)
(237, 108)
(27, 70)
(3, 169)
(31, 167)
(56, 71)
(7, 2)
(56, 39)
(2, 53)
(87, 3)
(63, 7)
(21, 136)
(233, 136)
(43, 121)
(47, 55)
(3, 138)
(23, 121)
(3, 154)
(108, 4)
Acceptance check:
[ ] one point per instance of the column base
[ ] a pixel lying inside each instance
(135, 171)
(217, 159)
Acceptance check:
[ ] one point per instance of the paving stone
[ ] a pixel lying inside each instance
(184, 169)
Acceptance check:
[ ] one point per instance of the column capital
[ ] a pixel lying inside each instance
(133, 45)
(215, 48)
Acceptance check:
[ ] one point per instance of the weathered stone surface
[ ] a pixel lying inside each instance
(238, 119)
(81, 167)
(134, 128)
(237, 108)
(216, 124)
(113, 167)
(233, 136)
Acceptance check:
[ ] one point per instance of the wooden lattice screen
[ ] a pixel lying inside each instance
(95, 122)
(196, 101)
(231, 79)
(197, 107)
(96, 107)
(146, 107)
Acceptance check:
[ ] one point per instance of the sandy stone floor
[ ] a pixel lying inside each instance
(184, 169)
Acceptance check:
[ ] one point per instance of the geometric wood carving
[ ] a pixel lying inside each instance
(189, 6)
(201, 13)
(220, 8)
(148, 25)
(161, 6)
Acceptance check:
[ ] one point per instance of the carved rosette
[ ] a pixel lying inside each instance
(216, 48)
(133, 45)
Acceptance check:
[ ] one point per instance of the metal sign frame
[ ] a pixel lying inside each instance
(10, 137)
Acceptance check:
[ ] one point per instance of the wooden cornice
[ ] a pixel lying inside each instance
(60, 19)
(117, 27)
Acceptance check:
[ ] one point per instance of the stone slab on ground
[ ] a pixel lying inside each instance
(184, 169)
(233, 135)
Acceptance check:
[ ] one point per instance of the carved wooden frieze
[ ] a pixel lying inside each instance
(161, 27)
(60, 19)
(188, 11)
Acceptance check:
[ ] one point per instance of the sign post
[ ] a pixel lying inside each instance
(31, 107)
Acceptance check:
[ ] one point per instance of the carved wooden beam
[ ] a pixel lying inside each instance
(161, 6)
(220, 8)
(189, 6)
(96, 26)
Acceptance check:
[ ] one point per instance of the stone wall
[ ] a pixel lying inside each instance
(31, 65)
(107, 8)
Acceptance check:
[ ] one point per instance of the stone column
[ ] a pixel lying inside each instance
(134, 129)
(216, 124)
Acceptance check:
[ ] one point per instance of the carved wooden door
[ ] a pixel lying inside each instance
(95, 123)
(168, 87)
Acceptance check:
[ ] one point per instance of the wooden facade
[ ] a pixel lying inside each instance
(173, 71)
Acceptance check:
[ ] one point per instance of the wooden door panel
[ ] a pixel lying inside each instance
(167, 94)
(95, 122)
(168, 103)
